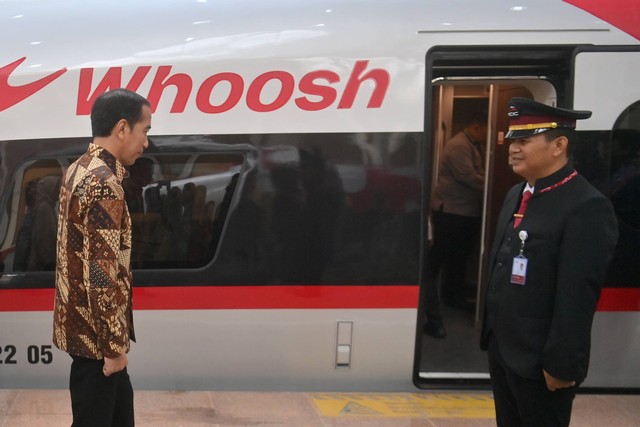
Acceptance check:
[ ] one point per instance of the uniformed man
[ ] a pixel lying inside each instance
(554, 240)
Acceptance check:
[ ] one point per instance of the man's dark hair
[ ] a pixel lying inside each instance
(478, 117)
(113, 106)
(558, 132)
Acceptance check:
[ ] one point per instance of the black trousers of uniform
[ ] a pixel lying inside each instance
(99, 401)
(524, 402)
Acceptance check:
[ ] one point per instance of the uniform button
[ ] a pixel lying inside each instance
(499, 265)
(509, 239)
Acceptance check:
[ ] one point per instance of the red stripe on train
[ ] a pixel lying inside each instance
(277, 297)
(619, 299)
(236, 297)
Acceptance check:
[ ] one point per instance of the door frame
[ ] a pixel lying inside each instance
(480, 64)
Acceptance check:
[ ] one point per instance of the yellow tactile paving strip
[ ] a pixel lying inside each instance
(410, 405)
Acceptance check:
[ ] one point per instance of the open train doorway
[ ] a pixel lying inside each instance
(460, 142)
(452, 356)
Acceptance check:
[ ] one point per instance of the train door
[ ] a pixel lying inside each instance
(460, 83)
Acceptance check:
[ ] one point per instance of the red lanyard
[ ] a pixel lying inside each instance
(558, 184)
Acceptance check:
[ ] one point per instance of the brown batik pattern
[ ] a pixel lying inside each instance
(92, 314)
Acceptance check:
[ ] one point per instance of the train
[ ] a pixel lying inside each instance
(281, 212)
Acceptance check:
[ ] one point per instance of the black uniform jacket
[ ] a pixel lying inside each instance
(546, 323)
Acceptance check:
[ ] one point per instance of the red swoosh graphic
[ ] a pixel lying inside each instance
(12, 95)
(624, 14)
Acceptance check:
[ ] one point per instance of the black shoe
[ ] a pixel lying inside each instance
(435, 330)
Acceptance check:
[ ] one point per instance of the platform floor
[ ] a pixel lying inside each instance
(51, 408)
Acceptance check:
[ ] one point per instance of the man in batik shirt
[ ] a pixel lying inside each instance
(92, 317)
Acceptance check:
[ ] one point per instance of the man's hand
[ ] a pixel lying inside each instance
(111, 366)
(554, 383)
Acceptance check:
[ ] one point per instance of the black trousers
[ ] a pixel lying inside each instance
(524, 402)
(454, 238)
(99, 401)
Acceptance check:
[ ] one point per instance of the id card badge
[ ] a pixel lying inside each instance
(519, 270)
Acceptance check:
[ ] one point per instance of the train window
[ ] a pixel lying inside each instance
(178, 206)
(245, 209)
(610, 160)
(326, 208)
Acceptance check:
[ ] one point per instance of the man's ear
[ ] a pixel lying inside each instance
(561, 145)
(121, 128)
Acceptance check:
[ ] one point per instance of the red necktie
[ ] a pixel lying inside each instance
(526, 196)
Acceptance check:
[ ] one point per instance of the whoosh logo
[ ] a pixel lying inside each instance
(11, 95)
(317, 89)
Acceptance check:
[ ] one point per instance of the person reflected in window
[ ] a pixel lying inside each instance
(188, 201)
(200, 228)
(625, 187)
(323, 204)
(151, 230)
(625, 196)
(173, 247)
(140, 175)
(245, 248)
(23, 239)
(286, 224)
(42, 256)
(221, 214)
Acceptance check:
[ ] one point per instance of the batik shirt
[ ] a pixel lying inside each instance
(92, 314)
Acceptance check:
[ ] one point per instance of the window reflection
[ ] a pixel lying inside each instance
(625, 196)
(244, 209)
(177, 206)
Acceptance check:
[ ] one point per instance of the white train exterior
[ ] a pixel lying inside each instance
(317, 286)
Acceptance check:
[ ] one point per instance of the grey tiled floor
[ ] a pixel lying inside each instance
(51, 408)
